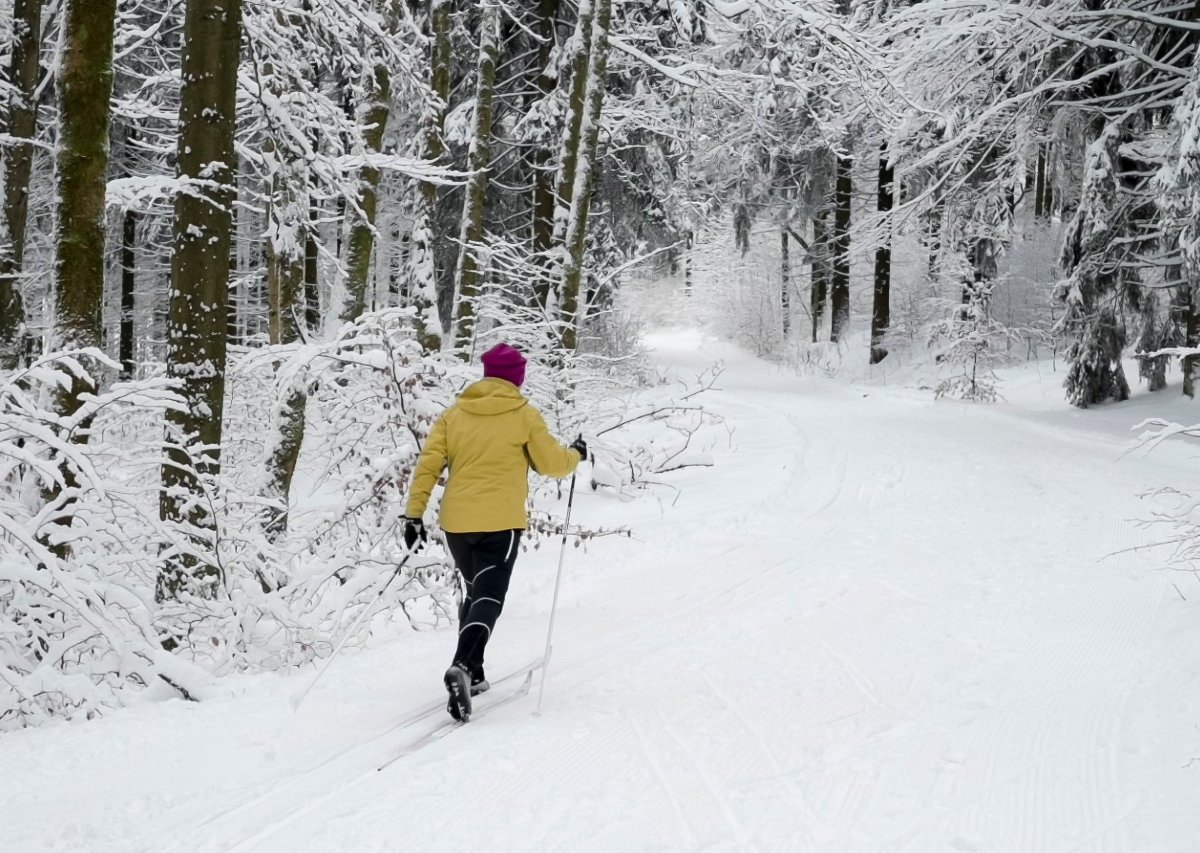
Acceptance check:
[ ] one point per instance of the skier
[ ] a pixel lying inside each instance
(489, 438)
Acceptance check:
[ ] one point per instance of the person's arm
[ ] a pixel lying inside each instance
(429, 468)
(548, 457)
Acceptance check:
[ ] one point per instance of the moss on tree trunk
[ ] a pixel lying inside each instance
(424, 279)
(575, 240)
(196, 322)
(469, 271)
(362, 234)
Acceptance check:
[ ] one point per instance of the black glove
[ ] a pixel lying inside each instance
(580, 447)
(414, 531)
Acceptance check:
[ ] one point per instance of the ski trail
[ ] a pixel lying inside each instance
(797, 798)
(863, 683)
(289, 799)
(648, 755)
(893, 625)
(743, 836)
(332, 765)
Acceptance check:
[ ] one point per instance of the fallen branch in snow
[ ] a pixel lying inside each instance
(681, 465)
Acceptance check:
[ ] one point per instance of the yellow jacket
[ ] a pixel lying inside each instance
(489, 438)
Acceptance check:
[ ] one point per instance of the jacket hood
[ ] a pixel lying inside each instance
(491, 397)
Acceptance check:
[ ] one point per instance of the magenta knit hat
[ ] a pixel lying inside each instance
(504, 362)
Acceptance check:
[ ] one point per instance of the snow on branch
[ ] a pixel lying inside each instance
(77, 631)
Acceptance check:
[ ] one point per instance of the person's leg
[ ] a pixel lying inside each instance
(460, 550)
(492, 556)
(458, 677)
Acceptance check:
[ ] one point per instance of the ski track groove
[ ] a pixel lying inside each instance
(647, 754)
(290, 798)
(1087, 747)
(277, 787)
(864, 684)
(768, 754)
(493, 801)
(743, 836)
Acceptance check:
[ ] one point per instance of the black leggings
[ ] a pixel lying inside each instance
(486, 562)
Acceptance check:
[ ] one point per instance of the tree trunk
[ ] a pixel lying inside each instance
(543, 173)
(881, 314)
(22, 75)
(128, 289)
(1041, 188)
(200, 283)
(933, 242)
(129, 219)
(580, 47)
(819, 272)
(984, 267)
(423, 273)
(468, 272)
(362, 234)
(288, 287)
(312, 283)
(1191, 339)
(840, 291)
(233, 332)
(285, 266)
(286, 269)
(687, 264)
(785, 280)
(294, 302)
(575, 240)
(85, 82)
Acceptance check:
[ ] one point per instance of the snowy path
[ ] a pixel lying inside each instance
(877, 624)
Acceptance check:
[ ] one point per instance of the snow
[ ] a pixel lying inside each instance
(877, 623)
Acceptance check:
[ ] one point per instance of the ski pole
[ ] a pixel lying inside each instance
(554, 604)
(295, 702)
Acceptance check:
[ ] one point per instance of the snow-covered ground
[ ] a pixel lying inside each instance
(879, 623)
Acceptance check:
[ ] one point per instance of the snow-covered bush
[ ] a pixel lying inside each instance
(79, 545)
(83, 621)
(1178, 511)
(296, 576)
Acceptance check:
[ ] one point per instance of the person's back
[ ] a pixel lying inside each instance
(489, 439)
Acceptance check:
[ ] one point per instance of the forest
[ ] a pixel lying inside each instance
(250, 249)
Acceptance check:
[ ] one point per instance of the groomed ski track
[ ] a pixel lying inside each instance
(878, 623)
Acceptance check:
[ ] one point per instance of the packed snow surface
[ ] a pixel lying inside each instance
(876, 623)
